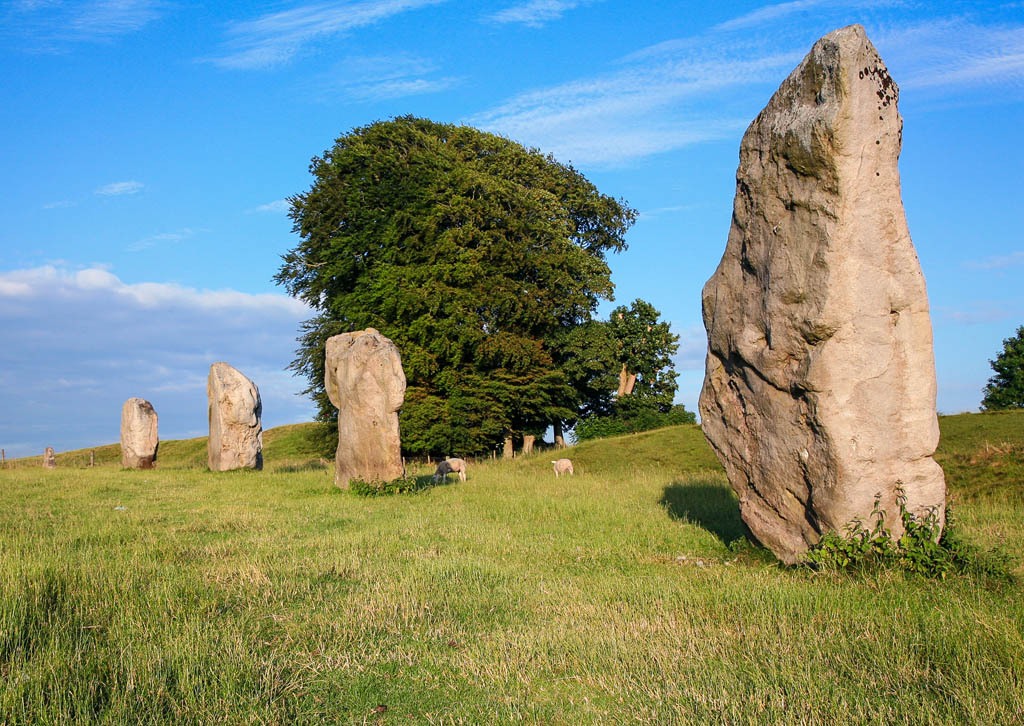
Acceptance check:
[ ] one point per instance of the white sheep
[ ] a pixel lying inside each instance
(562, 466)
(450, 466)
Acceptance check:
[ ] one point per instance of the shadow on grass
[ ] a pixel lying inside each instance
(708, 505)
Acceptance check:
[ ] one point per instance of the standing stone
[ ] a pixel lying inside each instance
(528, 441)
(49, 458)
(508, 450)
(819, 391)
(138, 434)
(365, 380)
(236, 430)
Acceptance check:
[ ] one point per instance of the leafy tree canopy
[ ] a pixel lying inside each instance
(468, 250)
(644, 346)
(1006, 388)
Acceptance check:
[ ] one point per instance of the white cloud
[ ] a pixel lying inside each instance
(156, 239)
(693, 347)
(274, 38)
(48, 26)
(536, 12)
(278, 206)
(648, 108)
(59, 205)
(77, 343)
(767, 14)
(119, 188)
(382, 77)
(998, 262)
(980, 312)
(953, 53)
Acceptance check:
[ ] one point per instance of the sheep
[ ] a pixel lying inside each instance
(562, 466)
(450, 466)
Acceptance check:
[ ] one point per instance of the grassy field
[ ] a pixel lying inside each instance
(625, 594)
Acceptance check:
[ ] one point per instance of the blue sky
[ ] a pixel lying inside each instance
(148, 146)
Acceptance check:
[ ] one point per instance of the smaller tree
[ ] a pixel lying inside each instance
(1006, 388)
(644, 347)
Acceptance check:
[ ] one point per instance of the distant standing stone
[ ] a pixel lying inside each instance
(819, 391)
(49, 458)
(365, 380)
(138, 434)
(236, 428)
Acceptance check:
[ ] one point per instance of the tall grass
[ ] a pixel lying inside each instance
(625, 594)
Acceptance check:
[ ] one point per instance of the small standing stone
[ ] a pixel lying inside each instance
(528, 441)
(49, 458)
(138, 434)
(236, 427)
(364, 379)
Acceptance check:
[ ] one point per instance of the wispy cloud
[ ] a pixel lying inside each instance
(536, 12)
(998, 262)
(278, 206)
(382, 77)
(156, 239)
(647, 108)
(274, 38)
(48, 26)
(647, 214)
(767, 14)
(981, 312)
(954, 53)
(59, 205)
(119, 188)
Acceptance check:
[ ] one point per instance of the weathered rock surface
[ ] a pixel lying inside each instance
(49, 458)
(236, 429)
(138, 434)
(365, 380)
(819, 391)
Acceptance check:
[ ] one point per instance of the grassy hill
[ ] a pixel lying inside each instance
(626, 593)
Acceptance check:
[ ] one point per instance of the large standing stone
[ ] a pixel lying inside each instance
(365, 380)
(49, 458)
(819, 392)
(138, 434)
(236, 430)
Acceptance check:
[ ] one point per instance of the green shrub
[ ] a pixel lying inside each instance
(920, 550)
(404, 485)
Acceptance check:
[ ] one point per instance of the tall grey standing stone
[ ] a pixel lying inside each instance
(138, 434)
(49, 458)
(236, 427)
(365, 381)
(819, 391)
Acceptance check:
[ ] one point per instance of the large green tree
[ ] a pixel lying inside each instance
(1006, 388)
(468, 250)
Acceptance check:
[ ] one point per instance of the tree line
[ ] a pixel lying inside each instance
(485, 262)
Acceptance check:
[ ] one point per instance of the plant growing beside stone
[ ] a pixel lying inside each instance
(922, 549)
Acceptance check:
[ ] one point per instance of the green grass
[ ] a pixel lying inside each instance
(625, 594)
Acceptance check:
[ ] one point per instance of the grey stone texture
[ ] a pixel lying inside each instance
(236, 426)
(365, 381)
(139, 439)
(819, 391)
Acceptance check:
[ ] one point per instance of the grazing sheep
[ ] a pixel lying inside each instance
(562, 466)
(450, 466)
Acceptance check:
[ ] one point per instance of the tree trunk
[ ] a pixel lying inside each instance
(509, 452)
(559, 438)
(528, 440)
(627, 381)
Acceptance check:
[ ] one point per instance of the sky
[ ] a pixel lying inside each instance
(149, 146)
